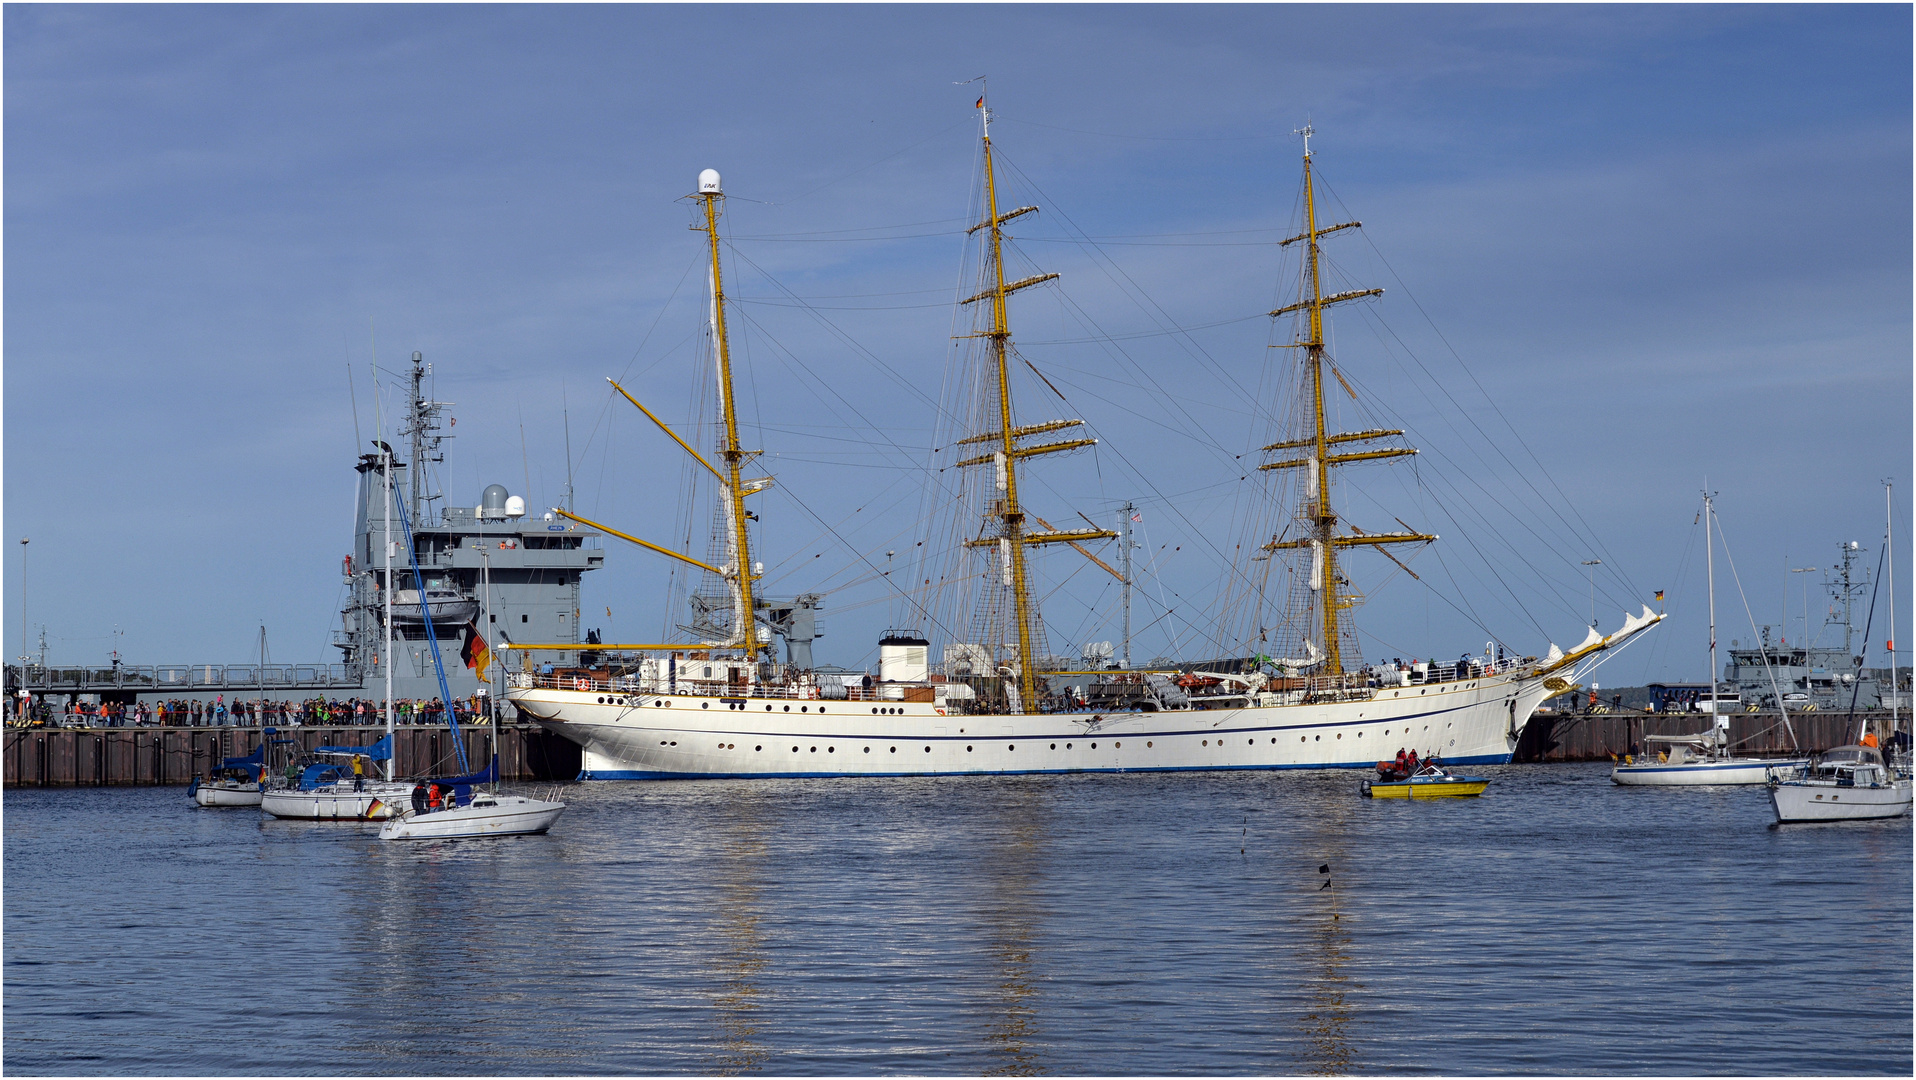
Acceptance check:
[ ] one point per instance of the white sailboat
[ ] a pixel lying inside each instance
(485, 814)
(1852, 783)
(721, 708)
(237, 782)
(1704, 759)
(332, 791)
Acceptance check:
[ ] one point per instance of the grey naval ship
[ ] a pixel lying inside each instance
(534, 564)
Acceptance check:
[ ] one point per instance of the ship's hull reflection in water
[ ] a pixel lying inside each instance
(1012, 868)
(739, 962)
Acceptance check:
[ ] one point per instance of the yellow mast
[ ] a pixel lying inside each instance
(1324, 540)
(1013, 537)
(745, 628)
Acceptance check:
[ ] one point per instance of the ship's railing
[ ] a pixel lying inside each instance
(631, 684)
(188, 678)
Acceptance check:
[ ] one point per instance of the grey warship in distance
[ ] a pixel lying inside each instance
(1809, 675)
(536, 566)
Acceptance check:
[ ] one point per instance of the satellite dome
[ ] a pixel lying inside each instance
(492, 501)
(515, 507)
(708, 181)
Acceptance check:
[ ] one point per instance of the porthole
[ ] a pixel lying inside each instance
(1094, 746)
(801, 708)
(1207, 742)
(705, 704)
(788, 708)
(1250, 742)
(868, 749)
(927, 749)
(794, 749)
(661, 742)
(814, 749)
(1147, 745)
(759, 748)
(731, 746)
(1317, 738)
(1067, 746)
(874, 710)
(1340, 734)
(894, 749)
(1054, 746)
(601, 701)
(1300, 738)
(1273, 742)
(1117, 746)
(821, 708)
(967, 749)
(1360, 734)
(675, 742)
(830, 750)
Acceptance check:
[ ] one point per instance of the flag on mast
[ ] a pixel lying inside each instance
(475, 652)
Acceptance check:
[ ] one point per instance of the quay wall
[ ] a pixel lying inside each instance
(110, 757)
(1595, 737)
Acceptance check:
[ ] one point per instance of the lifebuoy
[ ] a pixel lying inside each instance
(582, 684)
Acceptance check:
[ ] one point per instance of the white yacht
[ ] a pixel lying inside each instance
(1849, 783)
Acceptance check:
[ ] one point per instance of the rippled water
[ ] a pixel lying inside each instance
(1048, 924)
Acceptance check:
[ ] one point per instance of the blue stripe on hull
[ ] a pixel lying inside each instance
(641, 774)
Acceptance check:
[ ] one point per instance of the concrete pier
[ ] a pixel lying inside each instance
(106, 757)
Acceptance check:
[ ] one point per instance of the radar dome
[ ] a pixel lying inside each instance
(492, 501)
(708, 181)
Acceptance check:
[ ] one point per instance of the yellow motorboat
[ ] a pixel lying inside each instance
(1431, 782)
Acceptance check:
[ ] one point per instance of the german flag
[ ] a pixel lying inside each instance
(475, 652)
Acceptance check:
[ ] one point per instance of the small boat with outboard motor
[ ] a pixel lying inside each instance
(1421, 780)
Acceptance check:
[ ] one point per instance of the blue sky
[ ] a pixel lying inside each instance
(1668, 243)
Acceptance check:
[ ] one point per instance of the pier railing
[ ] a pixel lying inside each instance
(188, 678)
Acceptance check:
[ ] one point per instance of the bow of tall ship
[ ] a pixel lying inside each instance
(994, 701)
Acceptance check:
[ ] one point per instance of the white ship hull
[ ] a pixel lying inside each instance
(1703, 773)
(633, 736)
(1811, 800)
(339, 802)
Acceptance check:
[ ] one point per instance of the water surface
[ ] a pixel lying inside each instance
(1109, 924)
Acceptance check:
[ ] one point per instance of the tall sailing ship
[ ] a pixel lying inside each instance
(725, 707)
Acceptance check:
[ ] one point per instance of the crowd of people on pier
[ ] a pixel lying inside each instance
(241, 712)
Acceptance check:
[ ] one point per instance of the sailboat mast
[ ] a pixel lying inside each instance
(1709, 561)
(1124, 531)
(1324, 519)
(1008, 509)
(745, 627)
(1889, 546)
(386, 469)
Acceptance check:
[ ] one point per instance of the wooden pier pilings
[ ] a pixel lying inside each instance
(111, 757)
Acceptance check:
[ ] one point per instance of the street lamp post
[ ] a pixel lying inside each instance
(1593, 564)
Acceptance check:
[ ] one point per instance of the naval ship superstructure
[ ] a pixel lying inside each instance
(534, 565)
(1812, 675)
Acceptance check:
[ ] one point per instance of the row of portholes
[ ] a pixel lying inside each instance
(740, 705)
(1054, 746)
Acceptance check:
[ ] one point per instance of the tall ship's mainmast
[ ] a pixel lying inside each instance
(1006, 612)
(738, 570)
(1319, 605)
